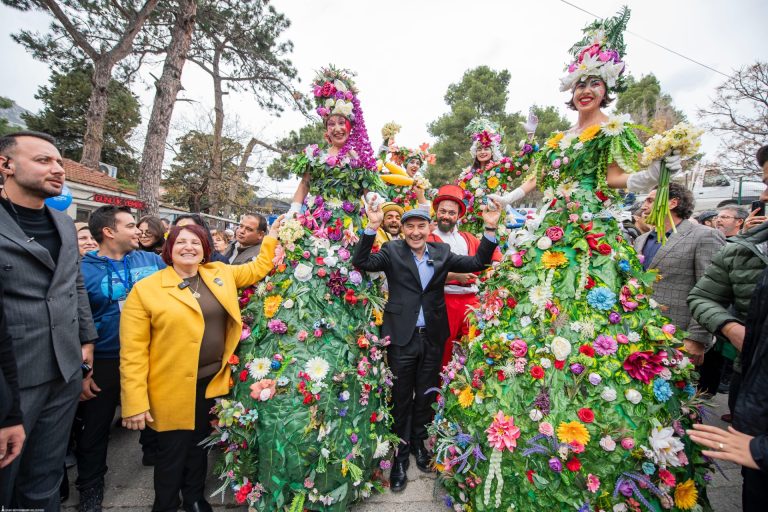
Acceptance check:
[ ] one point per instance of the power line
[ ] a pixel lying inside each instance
(652, 42)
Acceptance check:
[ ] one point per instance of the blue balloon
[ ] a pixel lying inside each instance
(62, 201)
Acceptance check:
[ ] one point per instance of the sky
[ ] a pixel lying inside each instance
(407, 52)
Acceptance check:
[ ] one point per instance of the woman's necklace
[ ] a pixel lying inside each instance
(195, 293)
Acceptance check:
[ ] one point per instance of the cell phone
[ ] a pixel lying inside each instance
(759, 206)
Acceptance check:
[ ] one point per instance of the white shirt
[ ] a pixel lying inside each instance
(458, 246)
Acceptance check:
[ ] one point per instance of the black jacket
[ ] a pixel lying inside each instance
(10, 410)
(406, 295)
(751, 411)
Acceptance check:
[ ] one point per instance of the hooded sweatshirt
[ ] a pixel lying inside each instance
(108, 283)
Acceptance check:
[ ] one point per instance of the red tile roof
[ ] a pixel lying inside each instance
(79, 173)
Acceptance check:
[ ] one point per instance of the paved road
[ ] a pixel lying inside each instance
(129, 484)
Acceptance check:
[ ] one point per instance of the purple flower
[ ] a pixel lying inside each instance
(614, 317)
(555, 465)
(325, 215)
(347, 207)
(343, 412)
(605, 345)
(353, 438)
(277, 326)
(577, 368)
(336, 283)
(595, 379)
(344, 255)
(527, 148)
(385, 464)
(319, 201)
(625, 488)
(340, 95)
(355, 277)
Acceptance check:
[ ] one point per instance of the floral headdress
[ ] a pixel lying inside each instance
(487, 134)
(400, 154)
(336, 94)
(599, 53)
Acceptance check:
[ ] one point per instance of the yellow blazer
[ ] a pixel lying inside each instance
(161, 328)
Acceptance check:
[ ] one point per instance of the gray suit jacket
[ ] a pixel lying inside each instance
(681, 262)
(246, 255)
(46, 304)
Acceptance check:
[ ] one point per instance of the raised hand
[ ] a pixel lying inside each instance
(491, 213)
(373, 210)
(530, 124)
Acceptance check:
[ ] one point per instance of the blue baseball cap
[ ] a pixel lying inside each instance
(416, 213)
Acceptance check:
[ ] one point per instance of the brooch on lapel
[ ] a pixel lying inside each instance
(218, 281)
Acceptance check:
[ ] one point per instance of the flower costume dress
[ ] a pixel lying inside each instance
(576, 395)
(498, 176)
(307, 422)
(405, 196)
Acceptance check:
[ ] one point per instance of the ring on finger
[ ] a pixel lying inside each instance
(721, 446)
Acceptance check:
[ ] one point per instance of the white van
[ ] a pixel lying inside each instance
(713, 189)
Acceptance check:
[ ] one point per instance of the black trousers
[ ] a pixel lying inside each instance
(710, 372)
(416, 367)
(754, 491)
(96, 416)
(733, 390)
(182, 464)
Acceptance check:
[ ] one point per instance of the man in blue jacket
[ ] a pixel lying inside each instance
(109, 275)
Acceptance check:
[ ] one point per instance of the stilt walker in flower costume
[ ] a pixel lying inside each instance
(493, 173)
(404, 170)
(577, 393)
(307, 424)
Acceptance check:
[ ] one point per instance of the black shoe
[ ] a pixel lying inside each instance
(199, 506)
(423, 456)
(398, 477)
(90, 499)
(64, 487)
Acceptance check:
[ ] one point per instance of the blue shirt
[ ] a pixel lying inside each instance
(426, 271)
(651, 247)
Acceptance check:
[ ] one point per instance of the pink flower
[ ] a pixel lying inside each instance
(246, 332)
(669, 330)
(331, 161)
(546, 428)
(627, 443)
(308, 483)
(555, 233)
(517, 258)
(302, 335)
(643, 366)
(605, 345)
(519, 348)
(263, 390)
(502, 433)
(622, 338)
(573, 218)
(593, 483)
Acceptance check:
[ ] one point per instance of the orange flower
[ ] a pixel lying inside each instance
(493, 182)
(553, 259)
(271, 305)
(573, 432)
(555, 140)
(589, 133)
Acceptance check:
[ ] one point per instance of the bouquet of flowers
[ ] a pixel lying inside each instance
(683, 139)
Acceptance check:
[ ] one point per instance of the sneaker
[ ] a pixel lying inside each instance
(90, 499)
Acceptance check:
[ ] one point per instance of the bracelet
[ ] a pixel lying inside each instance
(488, 228)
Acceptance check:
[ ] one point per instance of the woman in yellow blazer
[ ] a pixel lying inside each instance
(178, 328)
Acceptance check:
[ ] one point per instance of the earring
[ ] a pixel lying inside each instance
(202, 261)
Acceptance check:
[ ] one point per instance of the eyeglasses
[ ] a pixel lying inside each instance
(145, 233)
(725, 217)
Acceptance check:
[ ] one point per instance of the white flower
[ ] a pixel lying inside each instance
(288, 304)
(265, 394)
(566, 141)
(665, 446)
(329, 102)
(334, 203)
(302, 272)
(549, 195)
(652, 303)
(535, 415)
(344, 396)
(586, 216)
(317, 368)
(339, 85)
(382, 448)
(567, 189)
(633, 396)
(596, 378)
(545, 363)
(525, 321)
(259, 368)
(343, 108)
(544, 243)
(633, 337)
(539, 295)
(474, 182)
(562, 451)
(620, 507)
(608, 394)
(575, 326)
(331, 261)
(615, 124)
(607, 443)
(561, 347)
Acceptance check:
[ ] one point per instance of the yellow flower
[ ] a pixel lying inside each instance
(589, 133)
(493, 182)
(466, 397)
(553, 259)
(573, 432)
(463, 185)
(686, 495)
(378, 316)
(555, 140)
(271, 305)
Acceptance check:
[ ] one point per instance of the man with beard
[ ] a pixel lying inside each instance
(460, 288)
(390, 228)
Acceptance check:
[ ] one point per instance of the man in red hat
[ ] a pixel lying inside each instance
(460, 289)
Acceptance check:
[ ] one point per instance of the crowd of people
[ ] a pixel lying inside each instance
(538, 365)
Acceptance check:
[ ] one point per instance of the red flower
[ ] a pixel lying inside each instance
(319, 260)
(529, 474)
(667, 477)
(586, 415)
(587, 350)
(500, 376)
(327, 90)
(680, 384)
(374, 417)
(604, 249)
(537, 372)
(321, 272)
(643, 366)
(601, 195)
(243, 375)
(574, 464)
(590, 283)
(559, 364)
(233, 359)
(511, 302)
(587, 226)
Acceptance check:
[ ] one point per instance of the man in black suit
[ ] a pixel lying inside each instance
(415, 320)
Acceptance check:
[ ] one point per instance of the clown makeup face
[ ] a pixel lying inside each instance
(337, 131)
(483, 154)
(588, 94)
(412, 166)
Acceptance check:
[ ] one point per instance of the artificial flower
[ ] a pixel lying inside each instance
(302, 272)
(466, 397)
(633, 396)
(593, 483)
(601, 298)
(605, 345)
(665, 446)
(573, 432)
(643, 365)
(259, 368)
(555, 140)
(503, 433)
(317, 368)
(263, 390)
(561, 347)
(615, 124)
(607, 443)
(686, 495)
(492, 182)
(589, 133)
(608, 394)
(553, 259)
(271, 305)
